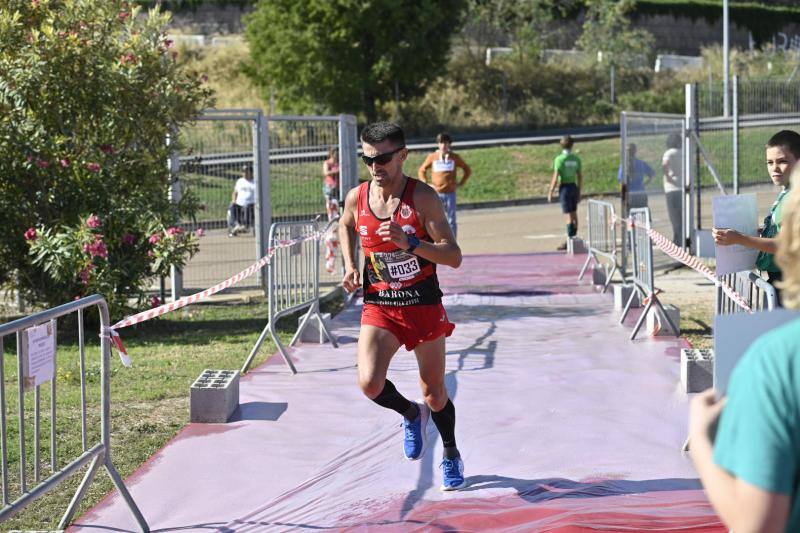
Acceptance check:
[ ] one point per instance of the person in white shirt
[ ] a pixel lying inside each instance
(243, 201)
(672, 165)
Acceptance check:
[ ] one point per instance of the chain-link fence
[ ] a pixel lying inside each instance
(248, 170)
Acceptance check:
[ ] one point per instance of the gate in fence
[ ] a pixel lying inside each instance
(286, 155)
(292, 285)
(653, 170)
(759, 294)
(25, 480)
(642, 269)
(602, 229)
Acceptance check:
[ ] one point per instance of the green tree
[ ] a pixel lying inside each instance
(89, 91)
(349, 55)
(607, 28)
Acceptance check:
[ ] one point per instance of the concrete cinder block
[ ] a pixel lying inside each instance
(214, 396)
(697, 369)
(313, 333)
(652, 322)
(599, 275)
(575, 245)
(621, 295)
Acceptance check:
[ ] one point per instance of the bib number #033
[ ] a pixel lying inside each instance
(395, 266)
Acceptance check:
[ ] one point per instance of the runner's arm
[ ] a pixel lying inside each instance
(347, 240)
(444, 249)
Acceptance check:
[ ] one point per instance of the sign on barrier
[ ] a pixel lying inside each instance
(602, 238)
(642, 259)
(292, 284)
(37, 355)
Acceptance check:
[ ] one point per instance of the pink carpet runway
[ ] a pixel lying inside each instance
(563, 423)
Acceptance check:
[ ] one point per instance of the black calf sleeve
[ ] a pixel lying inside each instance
(391, 399)
(445, 421)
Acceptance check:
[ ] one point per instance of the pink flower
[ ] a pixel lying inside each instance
(94, 167)
(168, 43)
(94, 222)
(65, 162)
(128, 58)
(200, 232)
(85, 274)
(174, 230)
(29, 158)
(204, 78)
(155, 301)
(150, 253)
(41, 163)
(96, 249)
(124, 15)
(31, 235)
(154, 238)
(128, 239)
(107, 149)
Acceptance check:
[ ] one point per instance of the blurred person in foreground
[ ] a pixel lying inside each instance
(751, 467)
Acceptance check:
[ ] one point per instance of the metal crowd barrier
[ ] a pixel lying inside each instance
(758, 292)
(602, 237)
(29, 366)
(642, 258)
(292, 285)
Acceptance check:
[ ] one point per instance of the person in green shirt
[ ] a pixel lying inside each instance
(783, 151)
(567, 174)
(751, 467)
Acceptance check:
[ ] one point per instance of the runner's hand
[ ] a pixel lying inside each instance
(391, 231)
(351, 280)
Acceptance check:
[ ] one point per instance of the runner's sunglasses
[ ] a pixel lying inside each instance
(380, 159)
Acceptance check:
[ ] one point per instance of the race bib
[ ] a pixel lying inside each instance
(444, 166)
(395, 266)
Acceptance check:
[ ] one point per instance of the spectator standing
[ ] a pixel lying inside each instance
(445, 164)
(783, 152)
(635, 190)
(567, 174)
(672, 165)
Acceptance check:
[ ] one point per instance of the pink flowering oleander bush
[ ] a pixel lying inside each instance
(89, 92)
(92, 258)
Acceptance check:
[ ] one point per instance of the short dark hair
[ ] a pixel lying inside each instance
(444, 138)
(674, 140)
(377, 132)
(787, 139)
(566, 142)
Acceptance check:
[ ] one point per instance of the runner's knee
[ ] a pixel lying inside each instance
(371, 386)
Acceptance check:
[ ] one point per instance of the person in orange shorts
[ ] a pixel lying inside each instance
(404, 234)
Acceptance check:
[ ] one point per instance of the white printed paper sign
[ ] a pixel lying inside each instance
(738, 212)
(41, 355)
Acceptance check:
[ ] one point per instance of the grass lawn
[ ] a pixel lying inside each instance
(150, 402)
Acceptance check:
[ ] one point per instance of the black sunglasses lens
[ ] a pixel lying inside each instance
(380, 159)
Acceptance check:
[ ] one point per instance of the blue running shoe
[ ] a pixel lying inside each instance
(415, 433)
(453, 474)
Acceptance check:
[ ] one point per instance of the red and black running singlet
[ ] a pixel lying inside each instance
(393, 276)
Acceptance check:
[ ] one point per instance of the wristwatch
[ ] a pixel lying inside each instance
(413, 242)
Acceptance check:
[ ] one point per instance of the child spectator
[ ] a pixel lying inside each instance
(783, 151)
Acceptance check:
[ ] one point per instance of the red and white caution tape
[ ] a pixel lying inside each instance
(144, 316)
(674, 251)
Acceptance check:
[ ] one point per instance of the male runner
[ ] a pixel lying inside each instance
(404, 234)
